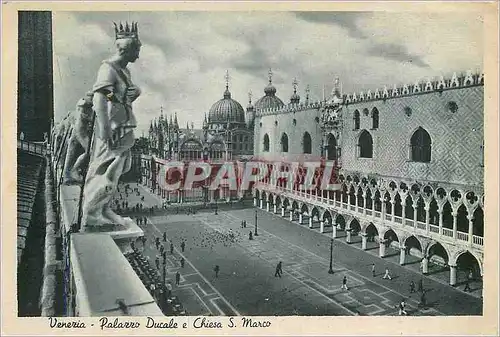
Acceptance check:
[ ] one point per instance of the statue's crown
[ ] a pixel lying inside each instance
(127, 31)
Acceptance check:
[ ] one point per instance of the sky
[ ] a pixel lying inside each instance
(185, 55)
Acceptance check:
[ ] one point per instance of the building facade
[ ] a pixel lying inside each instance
(410, 163)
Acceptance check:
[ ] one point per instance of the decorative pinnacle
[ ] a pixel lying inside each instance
(226, 77)
(250, 97)
(307, 91)
(270, 73)
(295, 83)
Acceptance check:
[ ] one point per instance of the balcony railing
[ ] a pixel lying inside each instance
(37, 148)
(462, 236)
(421, 226)
(448, 232)
(477, 240)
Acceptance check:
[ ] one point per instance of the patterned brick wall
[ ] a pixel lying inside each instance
(456, 137)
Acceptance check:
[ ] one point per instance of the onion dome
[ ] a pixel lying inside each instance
(226, 110)
(270, 100)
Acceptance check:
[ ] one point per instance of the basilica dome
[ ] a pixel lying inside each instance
(226, 110)
(270, 100)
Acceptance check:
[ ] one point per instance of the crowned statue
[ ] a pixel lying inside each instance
(113, 138)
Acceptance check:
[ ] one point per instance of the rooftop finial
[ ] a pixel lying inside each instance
(250, 97)
(307, 92)
(226, 77)
(295, 83)
(270, 73)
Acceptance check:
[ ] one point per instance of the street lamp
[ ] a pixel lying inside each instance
(330, 271)
(255, 234)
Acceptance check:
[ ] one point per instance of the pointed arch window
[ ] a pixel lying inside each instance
(266, 143)
(284, 142)
(356, 120)
(365, 145)
(332, 147)
(306, 143)
(375, 118)
(420, 144)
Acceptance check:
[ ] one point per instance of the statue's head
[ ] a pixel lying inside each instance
(127, 41)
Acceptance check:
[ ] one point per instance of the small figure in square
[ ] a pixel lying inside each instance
(171, 248)
(279, 270)
(402, 308)
(387, 275)
(412, 286)
(177, 278)
(182, 262)
(344, 283)
(183, 246)
(373, 269)
(216, 270)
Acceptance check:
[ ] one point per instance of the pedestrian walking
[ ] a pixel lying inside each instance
(162, 249)
(412, 286)
(402, 308)
(387, 275)
(183, 246)
(169, 289)
(344, 283)
(157, 262)
(216, 270)
(423, 300)
(279, 270)
(177, 278)
(250, 236)
(373, 269)
(164, 236)
(420, 285)
(467, 285)
(182, 262)
(171, 248)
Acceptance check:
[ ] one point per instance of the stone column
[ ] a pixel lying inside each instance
(261, 203)
(381, 247)
(275, 208)
(425, 265)
(364, 203)
(364, 239)
(427, 219)
(356, 207)
(268, 206)
(291, 215)
(334, 231)
(384, 206)
(322, 226)
(402, 255)
(283, 211)
(255, 202)
(453, 275)
(348, 235)
(300, 218)
(310, 222)
(454, 214)
(440, 212)
(415, 206)
(471, 224)
(349, 200)
(393, 207)
(403, 210)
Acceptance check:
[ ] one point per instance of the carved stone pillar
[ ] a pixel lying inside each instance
(261, 203)
(275, 208)
(255, 202)
(322, 226)
(334, 231)
(268, 206)
(291, 215)
(425, 265)
(453, 275)
(471, 226)
(348, 235)
(310, 222)
(301, 218)
(454, 214)
(402, 255)
(364, 240)
(381, 248)
(427, 219)
(283, 211)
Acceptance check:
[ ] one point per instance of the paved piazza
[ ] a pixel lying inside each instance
(246, 284)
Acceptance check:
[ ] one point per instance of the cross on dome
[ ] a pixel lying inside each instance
(270, 73)
(226, 77)
(295, 83)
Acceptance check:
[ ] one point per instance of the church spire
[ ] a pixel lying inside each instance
(227, 94)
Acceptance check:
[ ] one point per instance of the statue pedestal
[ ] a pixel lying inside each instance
(122, 235)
